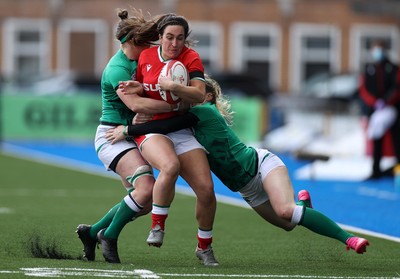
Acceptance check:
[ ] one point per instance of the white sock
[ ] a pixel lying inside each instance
(204, 234)
(132, 203)
(297, 214)
(159, 210)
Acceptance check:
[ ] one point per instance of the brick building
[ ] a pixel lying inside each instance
(283, 42)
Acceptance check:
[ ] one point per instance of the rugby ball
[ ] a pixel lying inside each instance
(178, 73)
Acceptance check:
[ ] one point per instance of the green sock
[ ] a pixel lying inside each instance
(319, 223)
(123, 216)
(103, 222)
(303, 203)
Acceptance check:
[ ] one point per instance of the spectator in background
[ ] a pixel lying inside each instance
(380, 95)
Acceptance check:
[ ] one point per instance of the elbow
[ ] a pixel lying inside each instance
(135, 108)
(199, 98)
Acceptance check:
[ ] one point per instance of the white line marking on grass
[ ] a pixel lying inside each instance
(57, 272)
(147, 274)
(5, 210)
(270, 276)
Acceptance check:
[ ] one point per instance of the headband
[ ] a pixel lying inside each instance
(124, 39)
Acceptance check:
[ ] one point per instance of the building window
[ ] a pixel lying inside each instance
(255, 49)
(315, 50)
(361, 36)
(83, 46)
(26, 48)
(209, 37)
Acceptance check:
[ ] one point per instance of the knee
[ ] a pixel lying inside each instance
(146, 209)
(206, 194)
(146, 189)
(285, 212)
(170, 168)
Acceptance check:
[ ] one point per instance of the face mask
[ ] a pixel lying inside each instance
(377, 54)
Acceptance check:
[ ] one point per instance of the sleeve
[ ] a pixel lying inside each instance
(117, 74)
(394, 99)
(365, 95)
(194, 64)
(164, 126)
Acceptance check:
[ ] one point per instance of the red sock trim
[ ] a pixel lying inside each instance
(158, 220)
(204, 243)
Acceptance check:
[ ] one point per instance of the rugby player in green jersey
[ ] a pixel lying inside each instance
(135, 34)
(257, 174)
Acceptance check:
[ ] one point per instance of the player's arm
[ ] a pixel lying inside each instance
(130, 93)
(134, 101)
(193, 93)
(368, 98)
(163, 126)
(394, 98)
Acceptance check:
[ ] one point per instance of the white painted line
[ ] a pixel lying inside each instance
(144, 273)
(5, 210)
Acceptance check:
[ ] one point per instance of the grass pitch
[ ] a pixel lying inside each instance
(41, 205)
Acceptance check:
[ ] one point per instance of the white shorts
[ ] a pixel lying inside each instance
(183, 140)
(107, 151)
(254, 193)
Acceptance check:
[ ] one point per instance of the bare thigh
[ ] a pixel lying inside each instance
(159, 151)
(279, 188)
(196, 171)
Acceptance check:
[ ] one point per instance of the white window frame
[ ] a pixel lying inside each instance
(98, 27)
(12, 48)
(358, 55)
(213, 52)
(239, 53)
(298, 55)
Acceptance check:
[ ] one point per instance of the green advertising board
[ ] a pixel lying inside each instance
(75, 117)
(50, 117)
(249, 118)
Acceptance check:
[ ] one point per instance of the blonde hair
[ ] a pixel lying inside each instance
(137, 28)
(220, 100)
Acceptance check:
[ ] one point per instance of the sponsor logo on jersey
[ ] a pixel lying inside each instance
(151, 87)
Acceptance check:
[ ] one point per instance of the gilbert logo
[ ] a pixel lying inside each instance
(148, 67)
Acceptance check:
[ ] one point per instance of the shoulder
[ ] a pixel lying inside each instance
(148, 54)
(150, 50)
(191, 59)
(120, 60)
(189, 54)
(207, 109)
(390, 66)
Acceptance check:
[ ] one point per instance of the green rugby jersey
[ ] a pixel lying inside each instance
(119, 68)
(234, 163)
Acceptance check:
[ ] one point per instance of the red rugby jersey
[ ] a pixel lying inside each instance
(149, 68)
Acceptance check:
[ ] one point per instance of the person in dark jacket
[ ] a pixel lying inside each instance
(380, 94)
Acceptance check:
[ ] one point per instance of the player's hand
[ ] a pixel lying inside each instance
(142, 118)
(166, 83)
(115, 134)
(130, 87)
